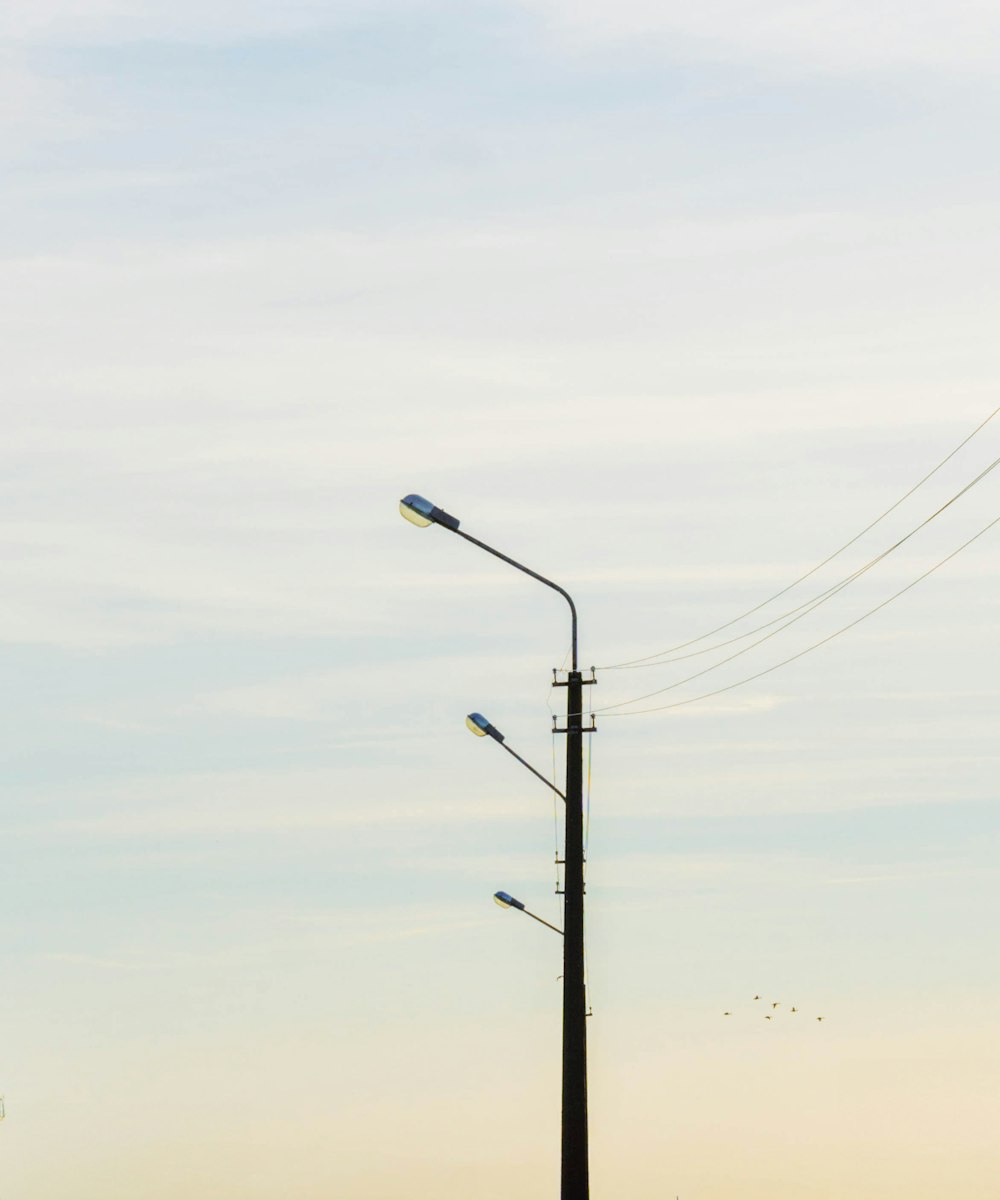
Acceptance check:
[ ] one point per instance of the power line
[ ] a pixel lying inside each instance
(805, 609)
(807, 650)
(801, 579)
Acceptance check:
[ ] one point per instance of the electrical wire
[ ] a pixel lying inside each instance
(555, 811)
(816, 600)
(802, 578)
(814, 604)
(555, 806)
(801, 653)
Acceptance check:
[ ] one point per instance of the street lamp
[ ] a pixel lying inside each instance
(481, 728)
(506, 900)
(575, 1177)
(421, 512)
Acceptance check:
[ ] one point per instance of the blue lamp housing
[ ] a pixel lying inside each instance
(478, 724)
(421, 512)
(506, 900)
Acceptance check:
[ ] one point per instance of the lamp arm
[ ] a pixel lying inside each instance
(541, 921)
(538, 774)
(527, 570)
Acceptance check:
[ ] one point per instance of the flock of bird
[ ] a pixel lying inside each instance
(775, 1005)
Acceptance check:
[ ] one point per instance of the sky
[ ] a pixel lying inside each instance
(668, 302)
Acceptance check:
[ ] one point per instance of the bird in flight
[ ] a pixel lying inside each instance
(819, 1018)
(728, 1014)
(793, 1009)
(767, 1017)
(775, 1003)
(756, 997)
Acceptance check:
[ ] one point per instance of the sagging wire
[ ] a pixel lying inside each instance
(802, 578)
(811, 606)
(808, 649)
(821, 598)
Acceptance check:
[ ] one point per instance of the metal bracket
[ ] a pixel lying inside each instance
(556, 682)
(591, 728)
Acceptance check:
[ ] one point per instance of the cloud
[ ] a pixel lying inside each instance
(904, 873)
(813, 34)
(34, 106)
(372, 929)
(100, 962)
(115, 22)
(810, 35)
(271, 929)
(269, 801)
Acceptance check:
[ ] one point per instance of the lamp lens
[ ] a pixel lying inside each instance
(416, 509)
(413, 516)
(477, 723)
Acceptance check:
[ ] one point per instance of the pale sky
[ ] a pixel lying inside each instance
(667, 301)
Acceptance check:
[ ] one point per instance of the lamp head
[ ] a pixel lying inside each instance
(506, 900)
(421, 512)
(478, 724)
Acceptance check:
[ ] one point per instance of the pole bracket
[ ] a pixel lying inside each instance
(557, 682)
(591, 728)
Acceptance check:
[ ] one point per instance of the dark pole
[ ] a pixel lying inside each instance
(575, 1158)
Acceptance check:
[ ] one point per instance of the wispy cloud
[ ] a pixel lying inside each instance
(847, 35)
(905, 873)
(267, 801)
(116, 22)
(34, 107)
(370, 929)
(101, 962)
(816, 34)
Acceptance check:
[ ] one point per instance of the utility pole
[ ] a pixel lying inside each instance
(575, 1154)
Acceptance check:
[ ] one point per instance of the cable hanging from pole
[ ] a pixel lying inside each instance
(648, 659)
(821, 597)
(812, 605)
(792, 658)
(555, 806)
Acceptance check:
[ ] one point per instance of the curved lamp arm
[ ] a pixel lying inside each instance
(421, 512)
